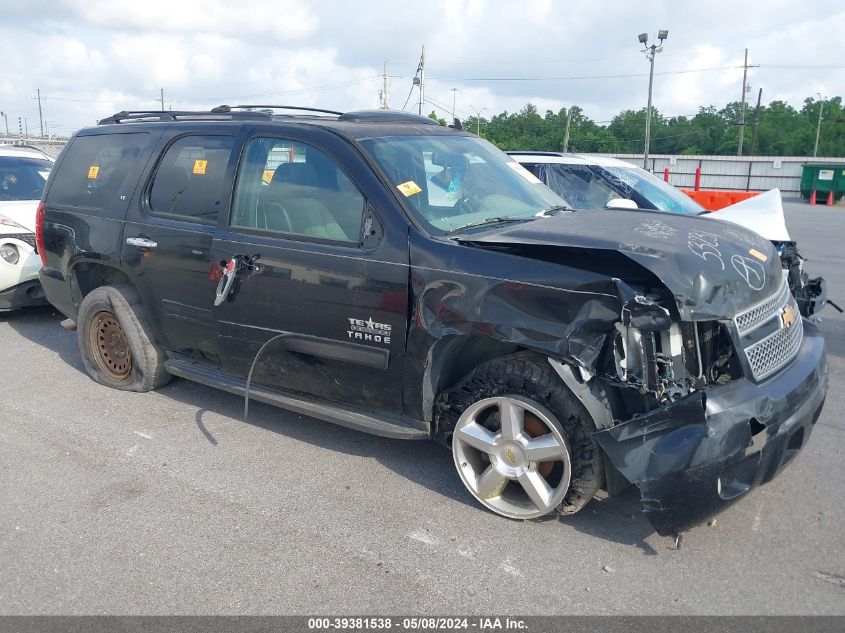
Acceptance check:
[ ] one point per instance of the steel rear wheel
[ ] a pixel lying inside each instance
(116, 340)
(109, 346)
(512, 456)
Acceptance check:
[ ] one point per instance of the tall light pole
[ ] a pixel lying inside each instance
(819, 125)
(650, 53)
(477, 119)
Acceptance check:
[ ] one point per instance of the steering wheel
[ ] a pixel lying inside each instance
(467, 204)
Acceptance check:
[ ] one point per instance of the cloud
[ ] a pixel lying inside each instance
(93, 57)
(278, 21)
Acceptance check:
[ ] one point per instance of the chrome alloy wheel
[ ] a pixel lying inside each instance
(512, 457)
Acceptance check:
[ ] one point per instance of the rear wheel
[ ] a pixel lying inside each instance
(521, 441)
(115, 341)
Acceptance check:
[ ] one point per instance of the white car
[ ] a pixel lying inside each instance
(600, 182)
(23, 174)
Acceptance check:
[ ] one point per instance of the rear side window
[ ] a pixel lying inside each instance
(99, 171)
(190, 180)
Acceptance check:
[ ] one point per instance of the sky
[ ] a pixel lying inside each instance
(91, 58)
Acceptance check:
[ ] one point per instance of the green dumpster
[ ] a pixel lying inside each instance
(823, 178)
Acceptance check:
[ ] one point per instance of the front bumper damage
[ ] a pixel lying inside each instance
(694, 457)
(812, 296)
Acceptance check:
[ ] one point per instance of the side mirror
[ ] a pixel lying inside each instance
(621, 203)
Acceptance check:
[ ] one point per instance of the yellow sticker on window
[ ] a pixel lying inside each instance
(93, 170)
(199, 166)
(755, 253)
(409, 188)
(267, 176)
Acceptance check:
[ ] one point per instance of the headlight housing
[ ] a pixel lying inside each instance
(10, 254)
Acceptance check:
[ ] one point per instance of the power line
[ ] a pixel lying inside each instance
(578, 77)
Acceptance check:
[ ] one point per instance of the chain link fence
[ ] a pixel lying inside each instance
(51, 147)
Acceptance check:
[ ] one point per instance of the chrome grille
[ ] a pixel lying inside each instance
(771, 353)
(762, 312)
(780, 333)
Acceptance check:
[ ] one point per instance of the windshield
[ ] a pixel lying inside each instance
(453, 182)
(647, 190)
(23, 178)
(591, 186)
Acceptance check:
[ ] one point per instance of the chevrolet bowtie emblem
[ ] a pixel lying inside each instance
(511, 457)
(788, 316)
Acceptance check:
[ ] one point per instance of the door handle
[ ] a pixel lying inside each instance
(141, 242)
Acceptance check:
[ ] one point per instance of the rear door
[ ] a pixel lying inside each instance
(168, 237)
(331, 285)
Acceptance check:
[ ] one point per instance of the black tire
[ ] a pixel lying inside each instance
(528, 375)
(144, 369)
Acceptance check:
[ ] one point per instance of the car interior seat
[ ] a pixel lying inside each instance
(296, 188)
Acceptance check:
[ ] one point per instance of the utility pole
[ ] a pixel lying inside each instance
(650, 53)
(819, 126)
(742, 107)
(419, 80)
(477, 119)
(745, 89)
(454, 92)
(566, 134)
(40, 116)
(756, 118)
(162, 99)
(385, 95)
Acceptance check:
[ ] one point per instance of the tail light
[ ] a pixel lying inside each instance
(39, 233)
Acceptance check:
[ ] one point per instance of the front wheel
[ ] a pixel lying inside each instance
(522, 442)
(522, 468)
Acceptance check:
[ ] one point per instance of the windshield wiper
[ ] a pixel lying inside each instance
(494, 220)
(553, 210)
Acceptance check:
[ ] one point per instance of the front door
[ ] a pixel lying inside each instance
(325, 301)
(168, 238)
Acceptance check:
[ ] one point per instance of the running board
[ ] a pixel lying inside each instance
(357, 420)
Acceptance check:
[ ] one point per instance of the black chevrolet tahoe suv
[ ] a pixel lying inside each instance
(388, 274)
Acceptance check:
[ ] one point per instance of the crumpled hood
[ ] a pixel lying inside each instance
(713, 269)
(20, 211)
(762, 214)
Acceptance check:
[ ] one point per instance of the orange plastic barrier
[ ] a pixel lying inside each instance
(713, 200)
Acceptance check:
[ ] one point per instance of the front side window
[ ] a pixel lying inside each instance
(454, 182)
(99, 171)
(22, 177)
(190, 181)
(294, 189)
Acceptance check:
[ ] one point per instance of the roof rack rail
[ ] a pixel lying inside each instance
(225, 108)
(140, 116)
(386, 116)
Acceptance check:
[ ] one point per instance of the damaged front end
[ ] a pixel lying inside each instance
(705, 382)
(729, 403)
(811, 294)
(696, 455)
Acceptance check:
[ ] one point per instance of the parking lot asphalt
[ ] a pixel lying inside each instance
(168, 502)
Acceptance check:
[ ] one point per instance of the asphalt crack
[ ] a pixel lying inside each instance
(833, 579)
